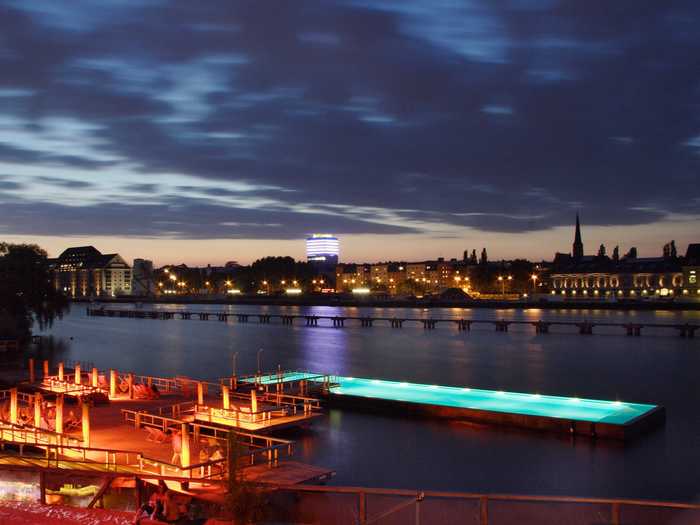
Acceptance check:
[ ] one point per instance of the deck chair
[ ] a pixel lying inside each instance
(71, 424)
(140, 391)
(156, 435)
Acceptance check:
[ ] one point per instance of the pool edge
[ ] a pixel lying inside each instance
(623, 432)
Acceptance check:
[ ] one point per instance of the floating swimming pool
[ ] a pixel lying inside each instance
(570, 408)
(574, 415)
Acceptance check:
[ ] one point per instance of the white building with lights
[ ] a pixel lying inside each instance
(322, 248)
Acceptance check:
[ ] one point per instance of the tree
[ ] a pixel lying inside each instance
(616, 254)
(484, 257)
(245, 502)
(472, 258)
(27, 295)
(632, 254)
(601, 251)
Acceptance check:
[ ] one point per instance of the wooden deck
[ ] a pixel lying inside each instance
(287, 473)
(266, 425)
(109, 431)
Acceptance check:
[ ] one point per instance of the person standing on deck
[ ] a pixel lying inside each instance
(177, 448)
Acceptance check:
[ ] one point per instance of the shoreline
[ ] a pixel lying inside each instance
(419, 303)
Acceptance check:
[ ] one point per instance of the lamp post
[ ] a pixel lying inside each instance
(534, 282)
(503, 288)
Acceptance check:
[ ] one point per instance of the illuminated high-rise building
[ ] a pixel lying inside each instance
(322, 248)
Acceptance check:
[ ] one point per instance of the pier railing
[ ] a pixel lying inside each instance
(29, 435)
(365, 506)
(257, 448)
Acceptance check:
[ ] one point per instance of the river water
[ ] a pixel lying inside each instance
(394, 451)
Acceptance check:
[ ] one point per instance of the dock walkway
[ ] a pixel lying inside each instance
(585, 327)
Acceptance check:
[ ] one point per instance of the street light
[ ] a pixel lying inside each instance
(534, 281)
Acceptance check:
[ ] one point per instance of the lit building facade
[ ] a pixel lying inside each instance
(396, 278)
(322, 248)
(85, 272)
(629, 277)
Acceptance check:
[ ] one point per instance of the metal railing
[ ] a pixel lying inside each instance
(365, 506)
(257, 448)
(30, 435)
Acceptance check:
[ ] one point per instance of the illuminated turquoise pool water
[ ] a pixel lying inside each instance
(592, 410)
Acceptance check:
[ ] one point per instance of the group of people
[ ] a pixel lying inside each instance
(163, 506)
(209, 450)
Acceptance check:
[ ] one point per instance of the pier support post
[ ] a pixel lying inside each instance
(224, 396)
(185, 445)
(484, 510)
(130, 382)
(200, 393)
(42, 487)
(112, 384)
(362, 510)
(46, 368)
(78, 373)
(95, 378)
(61, 371)
(86, 424)
(31, 370)
(13, 406)
(254, 404)
(59, 414)
(37, 410)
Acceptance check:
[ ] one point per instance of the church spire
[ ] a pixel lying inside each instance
(578, 243)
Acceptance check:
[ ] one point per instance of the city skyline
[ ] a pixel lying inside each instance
(233, 131)
(374, 246)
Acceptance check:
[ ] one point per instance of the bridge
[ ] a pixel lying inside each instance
(585, 327)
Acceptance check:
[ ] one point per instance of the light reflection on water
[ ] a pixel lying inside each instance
(381, 450)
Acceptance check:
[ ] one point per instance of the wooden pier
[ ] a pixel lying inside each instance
(106, 427)
(585, 327)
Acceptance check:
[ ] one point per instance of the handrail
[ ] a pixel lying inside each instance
(21, 396)
(481, 496)
(149, 419)
(35, 436)
(70, 388)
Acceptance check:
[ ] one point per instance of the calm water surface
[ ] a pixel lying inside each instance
(393, 451)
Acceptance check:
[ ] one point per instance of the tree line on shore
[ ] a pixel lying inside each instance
(28, 297)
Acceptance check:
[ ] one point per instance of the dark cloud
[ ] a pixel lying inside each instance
(177, 217)
(501, 116)
(64, 183)
(8, 185)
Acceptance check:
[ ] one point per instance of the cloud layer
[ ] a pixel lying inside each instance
(273, 119)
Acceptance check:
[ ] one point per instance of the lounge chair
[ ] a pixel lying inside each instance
(156, 435)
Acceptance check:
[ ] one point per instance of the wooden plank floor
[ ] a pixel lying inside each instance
(286, 473)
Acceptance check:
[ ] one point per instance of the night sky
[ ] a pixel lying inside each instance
(216, 130)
